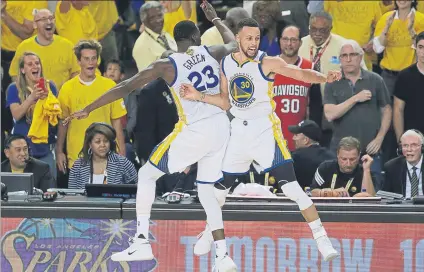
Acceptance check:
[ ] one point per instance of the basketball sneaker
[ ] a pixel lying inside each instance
(224, 264)
(325, 247)
(139, 250)
(204, 242)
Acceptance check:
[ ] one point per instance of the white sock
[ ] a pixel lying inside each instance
(317, 228)
(220, 248)
(143, 226)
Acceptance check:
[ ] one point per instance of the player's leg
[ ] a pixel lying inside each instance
(140, 248)
(209, 173)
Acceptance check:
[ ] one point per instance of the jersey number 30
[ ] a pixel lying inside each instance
(290, 105)
(198, 79)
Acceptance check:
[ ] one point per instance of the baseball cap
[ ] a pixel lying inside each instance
(309, 128)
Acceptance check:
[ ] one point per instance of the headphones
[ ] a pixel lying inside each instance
(93, 127)
(399, 148)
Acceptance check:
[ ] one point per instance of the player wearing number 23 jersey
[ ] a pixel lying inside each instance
(291, 98)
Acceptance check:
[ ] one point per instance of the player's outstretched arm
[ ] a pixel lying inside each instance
(161, 68)
(277, 65)
(219, 51)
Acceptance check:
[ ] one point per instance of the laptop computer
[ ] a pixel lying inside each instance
(17, 182)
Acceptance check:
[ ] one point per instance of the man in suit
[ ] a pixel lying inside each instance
(308, 154)
(404, 174)
(19, 161)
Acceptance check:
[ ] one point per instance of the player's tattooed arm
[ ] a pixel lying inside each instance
(276, 65)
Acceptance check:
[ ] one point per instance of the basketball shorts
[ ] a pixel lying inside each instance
(204, 142)
(258, 141)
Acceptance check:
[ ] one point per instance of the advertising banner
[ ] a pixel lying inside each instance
(86, 245)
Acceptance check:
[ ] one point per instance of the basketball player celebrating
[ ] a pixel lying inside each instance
(200, 136)
(247, 81)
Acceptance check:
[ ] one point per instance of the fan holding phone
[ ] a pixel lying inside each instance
(22, 96)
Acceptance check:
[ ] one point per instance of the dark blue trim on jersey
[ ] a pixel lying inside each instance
(262, 56)
(155, 166)
(207, 50)
(209, 182)
(276, 165)
(262, 73)
(235, 174)
(176, 71)
(222, 66)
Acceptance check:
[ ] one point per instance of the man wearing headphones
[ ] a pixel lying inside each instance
(19, 161)
(404, 175)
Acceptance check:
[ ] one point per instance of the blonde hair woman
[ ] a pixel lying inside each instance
(21, 99)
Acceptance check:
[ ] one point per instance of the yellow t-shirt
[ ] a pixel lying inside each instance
(58, 58)
(105, 14)
(76, 24)
(171, 19)
(18, 10)
(18, 171)
(398, 53)
(387, 8)
(420, 6)
(212, 37)
(73, 97)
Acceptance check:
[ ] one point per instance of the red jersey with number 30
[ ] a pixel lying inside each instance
(291, 98)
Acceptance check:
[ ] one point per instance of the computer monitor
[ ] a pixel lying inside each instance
(18, 181)
(111, 190)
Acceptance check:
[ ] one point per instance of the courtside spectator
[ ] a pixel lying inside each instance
(266, 13)
(22, 96)
(404, 174)
(78, 93)
(19, 160)
(153, 41)
(356, 20)
(106, 16)
(345, 176)
(232, 18)
(408, 108)
(98, 161)
(75, 22)
(291, 96)
(358, 105)
(177, 11)
(308, 154)
(394, 35)
(55, 52)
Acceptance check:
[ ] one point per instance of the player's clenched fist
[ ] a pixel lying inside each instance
(188, 92)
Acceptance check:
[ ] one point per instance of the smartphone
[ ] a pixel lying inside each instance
(41, 83)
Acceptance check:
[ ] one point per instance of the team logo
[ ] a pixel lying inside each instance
(241, 89)
(190, 52)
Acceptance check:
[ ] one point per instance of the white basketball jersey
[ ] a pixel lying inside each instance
(197, 67)
(250, 91)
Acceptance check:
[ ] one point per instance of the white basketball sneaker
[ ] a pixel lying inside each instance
(325, 247)
(204, 242)
(224, 264)
(139, 250)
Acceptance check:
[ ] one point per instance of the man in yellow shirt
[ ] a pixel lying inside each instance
(355, 20)
(16, 26)
(106, 15)
(232, 18)
(55, 52)
(153, 41)
(80, 92)
(177, 11)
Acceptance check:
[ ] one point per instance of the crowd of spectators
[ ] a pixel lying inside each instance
(351, 137)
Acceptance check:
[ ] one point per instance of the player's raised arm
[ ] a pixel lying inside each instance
(219, 51)
(160, 68)
(277, 65)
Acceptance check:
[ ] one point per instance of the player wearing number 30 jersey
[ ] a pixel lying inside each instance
(247, 87)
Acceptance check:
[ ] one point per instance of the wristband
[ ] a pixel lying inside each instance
(215, 19)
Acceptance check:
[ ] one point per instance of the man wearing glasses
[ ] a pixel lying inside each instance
(359, 106)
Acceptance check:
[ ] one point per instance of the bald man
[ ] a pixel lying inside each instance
(232, 18)
(56, 53)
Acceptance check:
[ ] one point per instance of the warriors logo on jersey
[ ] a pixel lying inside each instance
(242, 90)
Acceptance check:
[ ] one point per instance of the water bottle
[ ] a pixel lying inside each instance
(308, 191)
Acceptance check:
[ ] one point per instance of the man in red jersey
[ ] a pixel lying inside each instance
(290, 95)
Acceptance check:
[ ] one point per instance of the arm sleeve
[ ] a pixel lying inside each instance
(383, 97)
(401, 91)
(130, 174)
(73, 175)
(64, 102)
(329, 94)
(47, 180)
(318, 180)
(12, 95)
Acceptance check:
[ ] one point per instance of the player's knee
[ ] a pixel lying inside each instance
(149, 173)
(293, 191)
(226, 183)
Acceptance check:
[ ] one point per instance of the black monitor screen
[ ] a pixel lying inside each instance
(18, 181)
